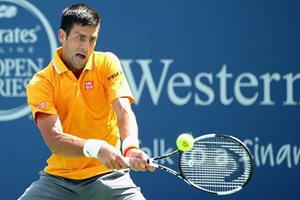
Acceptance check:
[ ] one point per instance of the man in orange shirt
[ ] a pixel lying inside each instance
(81, 105)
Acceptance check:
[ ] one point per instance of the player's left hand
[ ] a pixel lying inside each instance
(138, 160)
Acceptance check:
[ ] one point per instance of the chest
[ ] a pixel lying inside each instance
(85, 94)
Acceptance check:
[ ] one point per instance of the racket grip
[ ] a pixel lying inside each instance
(149, 161)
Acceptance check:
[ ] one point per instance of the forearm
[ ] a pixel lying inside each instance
(127, 125)
(59, 142)
(66, 145)
(128, 129)
(129, 132)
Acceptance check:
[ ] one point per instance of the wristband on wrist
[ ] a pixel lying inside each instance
(91, 147)
(129, 143)
(126, 150)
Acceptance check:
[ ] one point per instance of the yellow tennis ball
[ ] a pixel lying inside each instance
(185, 142)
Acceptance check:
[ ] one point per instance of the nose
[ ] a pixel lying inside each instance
(86, 45)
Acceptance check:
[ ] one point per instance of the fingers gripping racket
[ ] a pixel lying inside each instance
(218, 164)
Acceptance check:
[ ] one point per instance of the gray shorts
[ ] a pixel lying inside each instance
(116, 185)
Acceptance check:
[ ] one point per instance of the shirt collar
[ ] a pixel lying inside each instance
(60, 66)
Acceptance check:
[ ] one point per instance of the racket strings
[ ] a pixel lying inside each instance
(216, 164)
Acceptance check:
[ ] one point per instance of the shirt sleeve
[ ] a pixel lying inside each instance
(40, 96)
(117, 84)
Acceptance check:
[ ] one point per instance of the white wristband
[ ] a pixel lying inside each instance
(91, 147)
(129, 142)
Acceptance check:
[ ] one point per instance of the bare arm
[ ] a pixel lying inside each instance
(71, 146)
(126, 119)
(128, 128)
(59, 142)
(68, 145)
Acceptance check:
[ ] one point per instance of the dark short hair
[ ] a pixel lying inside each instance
(80, 14)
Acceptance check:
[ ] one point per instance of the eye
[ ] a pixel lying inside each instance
(92, 39)
(80, 37)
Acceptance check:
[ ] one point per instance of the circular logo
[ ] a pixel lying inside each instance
(25, 48)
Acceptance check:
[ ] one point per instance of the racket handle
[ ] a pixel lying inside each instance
(149, 161)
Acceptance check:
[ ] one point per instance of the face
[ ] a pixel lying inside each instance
(78, 45)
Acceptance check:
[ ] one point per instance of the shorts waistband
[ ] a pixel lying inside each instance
(77, 181)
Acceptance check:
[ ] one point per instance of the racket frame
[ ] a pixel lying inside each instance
(181, 175)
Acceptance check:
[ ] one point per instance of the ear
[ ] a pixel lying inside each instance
(61, 35)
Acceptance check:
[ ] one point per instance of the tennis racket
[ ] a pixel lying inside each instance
(218, 164)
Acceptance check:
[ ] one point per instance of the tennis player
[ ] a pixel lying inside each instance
(81, 105)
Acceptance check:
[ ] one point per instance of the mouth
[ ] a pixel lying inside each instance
(80, 56)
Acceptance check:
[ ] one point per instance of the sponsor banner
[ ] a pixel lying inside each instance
(22, 53)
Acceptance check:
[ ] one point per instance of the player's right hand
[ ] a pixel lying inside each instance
(111, 158)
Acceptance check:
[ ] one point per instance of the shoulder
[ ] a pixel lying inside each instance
(41, 78)
(105, 58)
(105, 55)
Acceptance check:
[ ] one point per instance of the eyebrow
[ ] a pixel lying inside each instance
(78, 33)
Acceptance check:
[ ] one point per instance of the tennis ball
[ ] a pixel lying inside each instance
(185, 142)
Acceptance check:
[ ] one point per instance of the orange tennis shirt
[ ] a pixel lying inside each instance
(83, 106)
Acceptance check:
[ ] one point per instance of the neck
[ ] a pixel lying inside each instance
(76, 72)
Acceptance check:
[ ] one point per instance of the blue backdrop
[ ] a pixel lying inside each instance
(203, 66)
